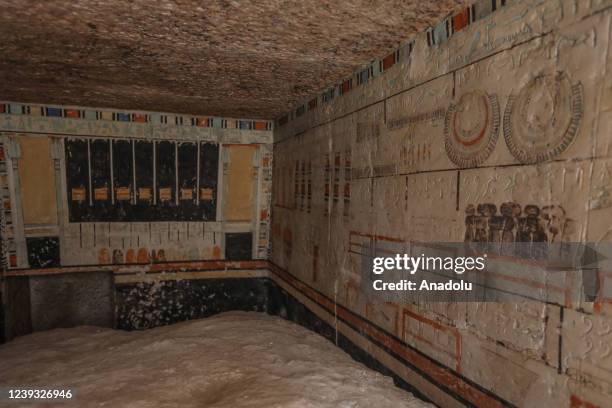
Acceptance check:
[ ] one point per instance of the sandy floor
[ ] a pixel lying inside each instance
(230, 360)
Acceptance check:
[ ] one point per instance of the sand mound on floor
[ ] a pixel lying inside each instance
(232, 360)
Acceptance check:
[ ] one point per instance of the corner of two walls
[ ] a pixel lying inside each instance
(439, 136)
(90, 190)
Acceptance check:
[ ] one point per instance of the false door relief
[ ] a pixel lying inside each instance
(29, 177)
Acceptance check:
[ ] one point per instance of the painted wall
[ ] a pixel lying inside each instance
(86, 186)
(505, 108)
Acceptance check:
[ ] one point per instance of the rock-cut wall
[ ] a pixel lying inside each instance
(503, 110)
(94, 190)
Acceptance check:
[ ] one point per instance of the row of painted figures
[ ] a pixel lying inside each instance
(145, 256)
(513, 223)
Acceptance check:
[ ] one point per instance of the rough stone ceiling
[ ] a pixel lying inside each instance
(252, 59)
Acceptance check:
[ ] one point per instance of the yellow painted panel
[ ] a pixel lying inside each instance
(37, 179)
(238, 200)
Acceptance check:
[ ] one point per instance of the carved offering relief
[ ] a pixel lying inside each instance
(543, 119)
(471, 128)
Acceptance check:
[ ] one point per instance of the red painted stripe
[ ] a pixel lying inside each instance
(438, 326)
(139, 118)
(576, 402)
(260, 125)
(195, 266)
(461, 20)
(376, 237)
(388, 61)
(346, 86)
(72, 113)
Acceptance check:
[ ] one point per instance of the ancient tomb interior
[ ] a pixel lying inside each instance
(310, 203)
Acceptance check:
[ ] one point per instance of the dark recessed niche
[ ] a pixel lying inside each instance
(209, 169)
(77, 178)
(43, 252)
(143, 154)
(100, 163)
(238, 246)
(165, 165)
(187, 181)
(123, 179)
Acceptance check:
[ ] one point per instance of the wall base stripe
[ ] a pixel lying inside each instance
(446, 379)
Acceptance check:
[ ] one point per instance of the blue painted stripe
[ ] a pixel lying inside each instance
(16, 109)
(122, 117)
(244, 124)
(54, 112)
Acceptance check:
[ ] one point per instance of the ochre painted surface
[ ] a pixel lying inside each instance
(37, 177)
(239, 180)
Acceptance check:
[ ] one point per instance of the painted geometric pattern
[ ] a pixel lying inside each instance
(435, 36)
(134, 117)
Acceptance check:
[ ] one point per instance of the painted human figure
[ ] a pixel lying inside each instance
(554, 222)
(478, 223)
(486, 229)
(530, 227)
(470, 223)
(497, 225)
(510, 212)
(532, 231)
